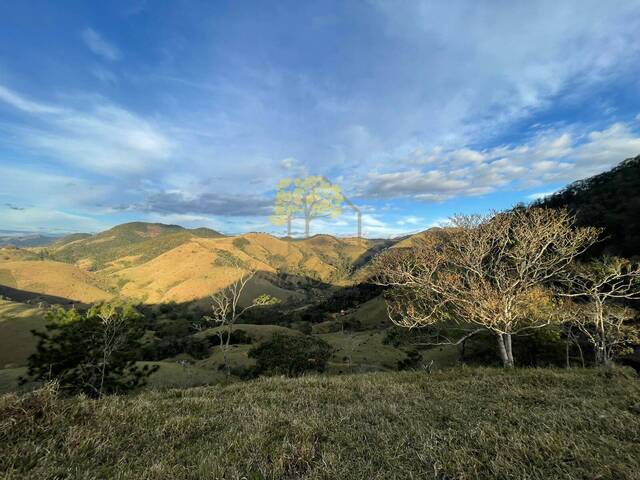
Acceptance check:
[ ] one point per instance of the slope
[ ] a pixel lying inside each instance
(466, 423)
(610, 200)
(55, 279)
(201, 266)
(137, 241)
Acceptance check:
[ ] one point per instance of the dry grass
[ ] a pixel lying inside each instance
(16, 341)
(458, 424)
(55, 278)
(191, 271)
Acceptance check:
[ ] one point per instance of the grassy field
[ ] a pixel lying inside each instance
(455, 424)
(16, 341)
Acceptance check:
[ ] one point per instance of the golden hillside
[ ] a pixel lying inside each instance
(54, 278)
(158, 263)
(204, 265)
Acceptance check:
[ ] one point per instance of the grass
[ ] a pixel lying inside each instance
(365, 351)
(455, 424)
(16, 341)
(174, 375)
(9, 379)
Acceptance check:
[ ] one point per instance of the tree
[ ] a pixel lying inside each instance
(291, 355)
(226, 308)
(598, 288)
(93, 353)
(484, 273)
(312, 197)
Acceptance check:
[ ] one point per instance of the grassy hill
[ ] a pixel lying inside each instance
(26, 240)
(16, 322)
(201, 266)
(460, 423)
(158, 263)
(54, 278)
(137, 242)
(610, 200)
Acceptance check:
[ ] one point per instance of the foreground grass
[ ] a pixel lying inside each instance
(459, 423)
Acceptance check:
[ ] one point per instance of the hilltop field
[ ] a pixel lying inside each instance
(460, 423)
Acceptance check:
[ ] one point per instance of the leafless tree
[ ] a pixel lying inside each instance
(599, 287)
(112, 335)
(226, 308)
(485, 272)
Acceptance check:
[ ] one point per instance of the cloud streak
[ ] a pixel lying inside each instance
(102, 137)
(98, 45)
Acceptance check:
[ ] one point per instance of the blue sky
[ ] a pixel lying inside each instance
(190, 112)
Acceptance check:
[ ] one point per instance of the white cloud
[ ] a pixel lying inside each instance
(551, 157)
(101, 137)
(26, 105)
(539, 195)
(98, 45)
(409, 220)
(49, 220)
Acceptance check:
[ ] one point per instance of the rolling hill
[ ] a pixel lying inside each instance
(157, 263)
(137, 242)
(54, 279)
(610, 200)
(26, 240)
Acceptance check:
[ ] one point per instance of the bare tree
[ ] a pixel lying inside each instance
(485, 273)
(226, 308)
(599, 287)
(113, 335)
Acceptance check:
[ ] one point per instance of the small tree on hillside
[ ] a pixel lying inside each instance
(598, 288)
(489, 272)
(226, 308)
(93, 353)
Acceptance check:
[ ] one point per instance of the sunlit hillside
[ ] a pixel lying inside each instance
(157, 263)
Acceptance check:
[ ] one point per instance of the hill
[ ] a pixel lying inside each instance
(461, 423)
(610, 200)
(54, 279)
(26, 240)
(201, 266)
(16, 322)
(136, 241)
(156, 263)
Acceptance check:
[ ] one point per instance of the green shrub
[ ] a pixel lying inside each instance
(92, 353)
(291, 355)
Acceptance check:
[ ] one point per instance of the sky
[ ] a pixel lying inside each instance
(190, 112)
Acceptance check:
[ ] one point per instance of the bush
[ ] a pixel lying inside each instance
(291, 355)
(411, 362)
(93, 353)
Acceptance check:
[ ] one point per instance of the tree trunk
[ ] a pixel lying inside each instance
(503, 352)
(307, 221)
(226, 349)
(509, 349)
(289, 227)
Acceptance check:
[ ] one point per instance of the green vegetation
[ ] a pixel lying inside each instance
(92, 353)
(141, 241)
(610, 201)
(461, 423)
(291, 355)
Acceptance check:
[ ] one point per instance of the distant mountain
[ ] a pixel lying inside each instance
(26, 240)
(138, 241)
(610, 200)
(154, 263)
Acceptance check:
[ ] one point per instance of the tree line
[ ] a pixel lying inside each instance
(509, 273)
